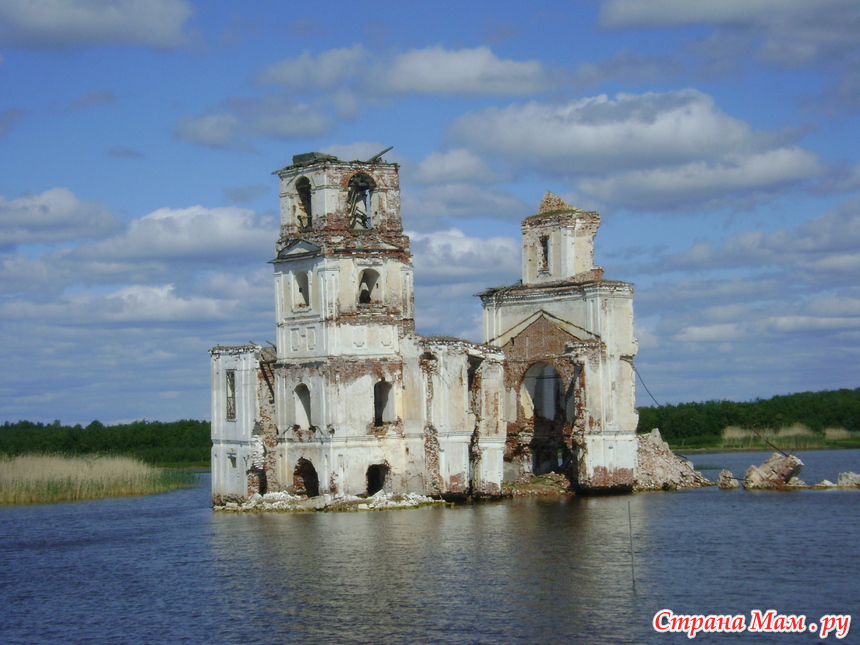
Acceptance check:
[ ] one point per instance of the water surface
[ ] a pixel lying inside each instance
(166, 569)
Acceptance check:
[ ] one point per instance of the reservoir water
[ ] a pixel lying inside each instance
(166, 569)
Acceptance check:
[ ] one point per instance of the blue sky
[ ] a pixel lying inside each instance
(718, 140)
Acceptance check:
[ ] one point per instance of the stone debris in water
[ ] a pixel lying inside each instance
(300, 503)
(777, 472)
(658, 468)
(727, 481)
(848, 480)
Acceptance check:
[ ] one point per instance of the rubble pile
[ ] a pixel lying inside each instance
(779, 471)
(727, 481)
(285, 502)
(658, 468)
(538, 486)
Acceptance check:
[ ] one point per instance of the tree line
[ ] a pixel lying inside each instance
(187, 442)
(704, 421)
(183, 443)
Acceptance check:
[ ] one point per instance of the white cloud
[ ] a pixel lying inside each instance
(598, 134)
(650, 151)
(458, 165)
(52, 216)
(214, 130)
(784, 33)
(53, 24)
(447, 256)
(475, 71)
(330, 69)
(706, 184)
(427, 208)
(193, 233)
(826, 246)
(437, 70)
(240, 121)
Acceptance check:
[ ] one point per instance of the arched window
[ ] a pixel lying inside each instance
(305, 479)
(360, 201)
(377, 474)
(543, 391)
(368, 287)
(303, 208)
(301, 290)
(383, 404)
(302, 401)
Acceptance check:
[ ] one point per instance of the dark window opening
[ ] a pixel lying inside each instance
(473, 378)
(377, 474)
(305, 479)
(304, 214)
(302, 398)
(381, 403)
(361, 188)
(231, 395)
(543, 263)
(302, 293)
(368, 287)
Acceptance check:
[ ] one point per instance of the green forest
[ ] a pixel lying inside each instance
(826, 419)
(174, 444)
(830, 417)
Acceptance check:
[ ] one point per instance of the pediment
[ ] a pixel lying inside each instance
(543, 324)
(298, 249)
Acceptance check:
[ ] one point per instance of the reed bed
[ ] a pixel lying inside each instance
(791, 438)
(36, 479)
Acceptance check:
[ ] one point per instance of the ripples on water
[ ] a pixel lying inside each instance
(165, 569)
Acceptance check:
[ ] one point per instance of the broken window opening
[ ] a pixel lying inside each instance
(231, 394)
(543, 389)
(545, 403)
(305, 479)
(382, 404)
(368, 287)
(543, 261)
(301, 290)
(302, 401)
(361, 188)
(303, 211)
(473, 379)
(377, 474)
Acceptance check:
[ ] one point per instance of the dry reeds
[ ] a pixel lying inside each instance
(794, 437)
(34, 479)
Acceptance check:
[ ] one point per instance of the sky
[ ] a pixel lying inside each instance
(138, 211)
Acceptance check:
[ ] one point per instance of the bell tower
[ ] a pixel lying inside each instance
(558, 244)
(343, 270)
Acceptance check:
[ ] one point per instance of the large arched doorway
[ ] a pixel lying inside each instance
(548, 408)
(305, 479)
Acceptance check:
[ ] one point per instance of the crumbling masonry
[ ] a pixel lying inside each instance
(353, 401)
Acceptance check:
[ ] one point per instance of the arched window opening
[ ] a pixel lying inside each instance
(361, 188)
(368, 287)
(302, 401)
(301, 290)
(305, 479)
(377, 474)
(303, 210)
(383, 404)
(545, 406)
(543, 387)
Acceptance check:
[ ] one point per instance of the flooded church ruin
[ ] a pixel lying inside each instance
(351, 400)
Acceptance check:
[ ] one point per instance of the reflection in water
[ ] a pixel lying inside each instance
(529, 571)
(166, 569)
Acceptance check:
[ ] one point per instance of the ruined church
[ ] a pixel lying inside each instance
(351, 400)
